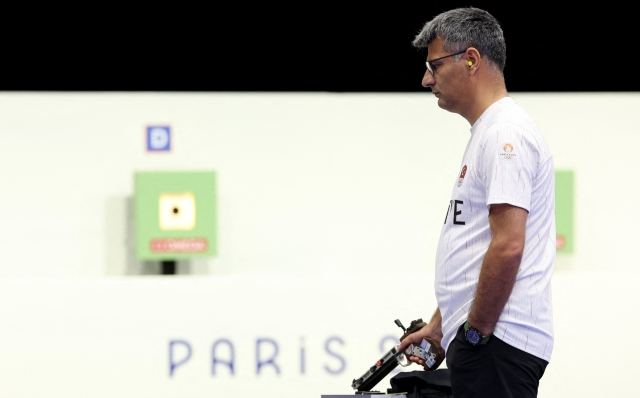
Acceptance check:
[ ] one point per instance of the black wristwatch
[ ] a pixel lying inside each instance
(473, 336)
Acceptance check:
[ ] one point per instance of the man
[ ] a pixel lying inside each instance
(497, 246)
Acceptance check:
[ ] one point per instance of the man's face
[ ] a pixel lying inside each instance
(449, 80)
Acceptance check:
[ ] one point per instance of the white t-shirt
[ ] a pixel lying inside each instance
(506, 161)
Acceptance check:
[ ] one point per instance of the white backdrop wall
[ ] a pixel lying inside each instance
(308, 183)
(325, 200)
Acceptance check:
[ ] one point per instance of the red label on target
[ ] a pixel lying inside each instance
(179, 245)
(561, 242)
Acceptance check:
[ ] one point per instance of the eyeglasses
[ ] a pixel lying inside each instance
(432, 69)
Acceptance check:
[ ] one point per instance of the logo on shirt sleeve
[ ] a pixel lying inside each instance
(462, 174)
(507, 152)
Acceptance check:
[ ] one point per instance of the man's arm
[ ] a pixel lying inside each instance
(500, 265)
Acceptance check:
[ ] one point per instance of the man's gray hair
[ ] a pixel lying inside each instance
(462, 28)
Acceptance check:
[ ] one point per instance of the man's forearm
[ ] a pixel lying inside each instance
(497, 277)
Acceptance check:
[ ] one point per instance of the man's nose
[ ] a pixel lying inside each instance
(427, 79)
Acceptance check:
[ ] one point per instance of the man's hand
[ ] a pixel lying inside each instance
(415, 338)
(432, 330)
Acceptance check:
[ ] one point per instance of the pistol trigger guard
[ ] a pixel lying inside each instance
(402, 359)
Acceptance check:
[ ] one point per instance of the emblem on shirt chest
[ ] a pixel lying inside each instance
(462, 174)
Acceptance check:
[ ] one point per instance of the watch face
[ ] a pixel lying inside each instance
(473, 337)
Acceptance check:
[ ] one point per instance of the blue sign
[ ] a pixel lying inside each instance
(158, 138)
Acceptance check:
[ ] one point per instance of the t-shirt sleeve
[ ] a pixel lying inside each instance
(508, 165)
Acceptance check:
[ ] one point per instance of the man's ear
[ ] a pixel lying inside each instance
(472, 60)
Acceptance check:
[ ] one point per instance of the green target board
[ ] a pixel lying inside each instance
(565, 211)
(175, 214)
